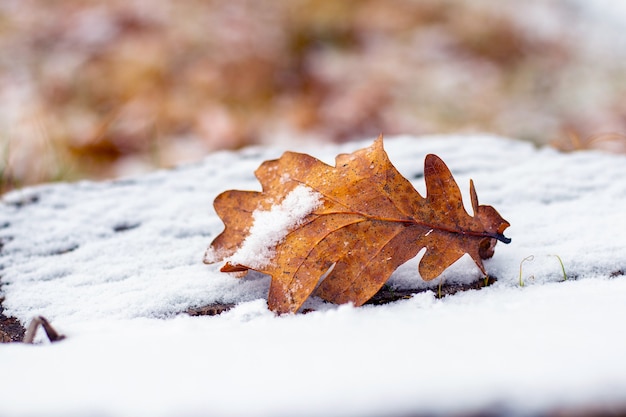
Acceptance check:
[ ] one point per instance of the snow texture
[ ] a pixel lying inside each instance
(269, 228)
(114, 265)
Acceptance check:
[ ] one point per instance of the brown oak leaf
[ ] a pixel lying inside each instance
(339, 232)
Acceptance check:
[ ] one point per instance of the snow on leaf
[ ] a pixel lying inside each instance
(269, 228)
(360, 217)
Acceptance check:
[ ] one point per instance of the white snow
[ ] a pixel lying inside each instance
(270, 227)
(113, 265)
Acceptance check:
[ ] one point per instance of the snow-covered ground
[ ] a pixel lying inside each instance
(112, 265)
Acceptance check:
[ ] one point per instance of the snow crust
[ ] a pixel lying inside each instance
(113, 265)
(270, 227)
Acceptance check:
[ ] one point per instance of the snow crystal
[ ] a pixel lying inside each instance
(270, 227)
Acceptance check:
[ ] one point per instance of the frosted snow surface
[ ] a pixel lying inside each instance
(112, 265)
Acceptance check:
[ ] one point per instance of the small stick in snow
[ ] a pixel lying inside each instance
(52, 334)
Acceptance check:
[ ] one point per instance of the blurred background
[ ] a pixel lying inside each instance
(94, 89)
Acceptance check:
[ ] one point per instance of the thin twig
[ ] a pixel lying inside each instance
(52, 334)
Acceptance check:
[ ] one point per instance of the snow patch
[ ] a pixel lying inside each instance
(270, 227)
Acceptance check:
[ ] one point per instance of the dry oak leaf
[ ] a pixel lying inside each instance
(349, 226)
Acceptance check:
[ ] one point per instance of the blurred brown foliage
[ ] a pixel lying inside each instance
(98, 89)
